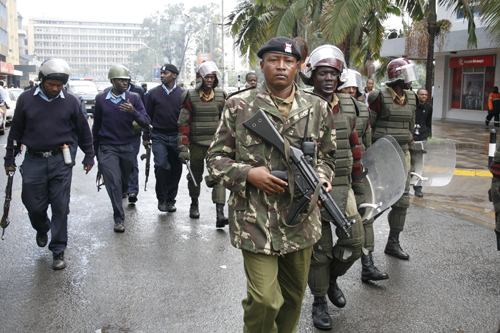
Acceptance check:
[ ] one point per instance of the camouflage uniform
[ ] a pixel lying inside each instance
(495, 187)
(256, 219)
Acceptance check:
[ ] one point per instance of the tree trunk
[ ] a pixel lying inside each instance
(431, 28)
(347, 51)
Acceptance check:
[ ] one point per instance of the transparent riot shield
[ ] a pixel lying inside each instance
(436, 165)
(386, 176)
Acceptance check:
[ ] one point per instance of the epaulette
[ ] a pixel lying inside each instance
(314, 94)
(240, 91)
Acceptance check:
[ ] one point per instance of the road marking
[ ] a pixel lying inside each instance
(477, 173)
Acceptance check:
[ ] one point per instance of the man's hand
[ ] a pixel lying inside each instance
(127, 107)
(327, 190)
(184, 156)
(9, 168)
(145, 143)
(87, 168)
(261, 178)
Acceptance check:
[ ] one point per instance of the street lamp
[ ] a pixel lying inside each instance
(156, 54)
(202, 29)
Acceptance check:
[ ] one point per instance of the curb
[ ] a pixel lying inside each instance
(476, 173)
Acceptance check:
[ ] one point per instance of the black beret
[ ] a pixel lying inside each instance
(170, 68)
(281, 45)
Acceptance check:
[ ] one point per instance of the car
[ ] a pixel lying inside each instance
(12, 95)
(85, 89)
(101, 85)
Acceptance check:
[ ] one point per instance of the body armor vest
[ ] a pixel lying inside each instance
(396, 120)
(205, 117)
(362, 123)
(344, 122)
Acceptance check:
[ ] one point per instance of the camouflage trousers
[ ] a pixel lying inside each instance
(329, 260)
(197, 157)
(397, 215)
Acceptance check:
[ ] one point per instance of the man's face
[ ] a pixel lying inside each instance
(208, 81)
(349, 90)
(167, 77)
(52, 88)
(326, 77)
(369, 85)
(279, 69)
(422, 96)
(252, 80)
(120, 85)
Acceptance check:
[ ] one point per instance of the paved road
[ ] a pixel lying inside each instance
(170, 273)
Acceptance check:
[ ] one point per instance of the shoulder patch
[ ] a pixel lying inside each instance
(240, 91)
(374, 94)
(316, 95)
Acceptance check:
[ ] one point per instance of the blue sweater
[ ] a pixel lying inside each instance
(114, 127)
(163, 109)
(44, 126)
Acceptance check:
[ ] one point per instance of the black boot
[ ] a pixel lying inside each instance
(194, 213)
(335, 295)
(369, 272)
(393, 248)
(321, 318)
(418, 191)
(221, 219)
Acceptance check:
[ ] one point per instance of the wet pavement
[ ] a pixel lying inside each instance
(170, 273)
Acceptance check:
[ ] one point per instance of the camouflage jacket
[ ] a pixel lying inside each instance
(256, 218)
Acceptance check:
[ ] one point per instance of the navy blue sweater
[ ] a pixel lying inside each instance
(163, 109)
(44, 126)
(114, 127)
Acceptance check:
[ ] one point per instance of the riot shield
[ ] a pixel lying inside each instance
(386, 176)
(436, 165)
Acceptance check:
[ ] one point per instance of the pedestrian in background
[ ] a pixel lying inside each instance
(163, 107)
(423, 123)
(43, 124)
(368, 89)
(493, 107)
(251, 80)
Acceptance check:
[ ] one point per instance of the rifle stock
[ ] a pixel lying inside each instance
(147, 156)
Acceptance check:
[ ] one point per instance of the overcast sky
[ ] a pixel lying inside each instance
(131, 11)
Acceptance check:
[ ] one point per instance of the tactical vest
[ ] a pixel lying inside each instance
(205, 117)
(362, 122)
(396, 120)
(344, 122)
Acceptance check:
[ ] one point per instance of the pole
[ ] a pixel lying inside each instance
(493, 147)
(222, 27)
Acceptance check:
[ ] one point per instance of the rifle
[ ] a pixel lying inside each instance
(304, 175)
(188, 166)
(4, 223)
(147, 156)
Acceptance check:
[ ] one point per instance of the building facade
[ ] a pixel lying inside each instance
(89, 47)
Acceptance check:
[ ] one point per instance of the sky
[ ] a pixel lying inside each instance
(104, 10)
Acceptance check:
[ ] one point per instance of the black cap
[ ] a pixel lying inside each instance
(281, 45)
(170, 68)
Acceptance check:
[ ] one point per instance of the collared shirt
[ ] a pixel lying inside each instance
(115, 99)
(396, 98)
(170, 91)
(284, 105)
(207, 97)
(39, 91)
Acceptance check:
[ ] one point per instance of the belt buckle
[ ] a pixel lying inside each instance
(47, 154)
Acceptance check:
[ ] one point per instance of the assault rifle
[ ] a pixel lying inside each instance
(147, 156)
(304, 176)
(4, 223)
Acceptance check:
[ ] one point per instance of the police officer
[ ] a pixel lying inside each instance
(42, 123)
(352, 85)
(393, 113)
(163, 107)
(200, 113)
(323, 70)
(113, 132)
(276, 257)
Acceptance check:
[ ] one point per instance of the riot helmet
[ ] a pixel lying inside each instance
(401, 69)
(118, 72)
(207, 67)
(327, 56)
(351, 78)
(54, 69)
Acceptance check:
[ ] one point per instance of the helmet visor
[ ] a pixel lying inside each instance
(351, 78)
(409, 72)
(208, 67)
(326, 55)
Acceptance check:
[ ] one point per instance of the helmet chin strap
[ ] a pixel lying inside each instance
(326, 92)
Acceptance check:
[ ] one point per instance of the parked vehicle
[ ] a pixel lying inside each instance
(12, 95)
(85, 89)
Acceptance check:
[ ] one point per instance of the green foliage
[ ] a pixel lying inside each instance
(490, 10)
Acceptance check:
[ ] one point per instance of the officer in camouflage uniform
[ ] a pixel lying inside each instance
(331, 261)
(495, 190)
(200, 113)
(393, 113)
(276, 257)
(353, 87)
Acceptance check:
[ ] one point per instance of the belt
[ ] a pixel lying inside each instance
(45, 154)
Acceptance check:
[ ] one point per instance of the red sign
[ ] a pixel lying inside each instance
(6, 68)
(479, 61)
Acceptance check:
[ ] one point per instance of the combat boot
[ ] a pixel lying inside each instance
(393, 248)
(321, 318)
(221, 219)
(369, 272)
(335, 295)
(194, 213)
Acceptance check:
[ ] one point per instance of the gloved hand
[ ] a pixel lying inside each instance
(184, 154)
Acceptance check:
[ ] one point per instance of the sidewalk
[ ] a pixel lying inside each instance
(472, 143)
